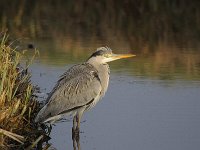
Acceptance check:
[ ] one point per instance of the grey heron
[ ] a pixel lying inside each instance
(79, 88)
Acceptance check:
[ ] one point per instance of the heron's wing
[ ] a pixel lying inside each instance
(78, 87)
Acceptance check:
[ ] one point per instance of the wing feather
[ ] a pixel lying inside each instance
(75, 88)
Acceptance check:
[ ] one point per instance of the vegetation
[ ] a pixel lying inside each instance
(18, 106)
(135, 19)
(165, 33)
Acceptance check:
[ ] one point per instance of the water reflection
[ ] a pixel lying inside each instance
(164, 61)
(164, 35)
(150, 113)
(158, 91)
(76, 142)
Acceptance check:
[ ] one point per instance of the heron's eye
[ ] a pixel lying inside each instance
(106, 55)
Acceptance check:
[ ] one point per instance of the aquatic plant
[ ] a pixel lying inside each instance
(18, 105)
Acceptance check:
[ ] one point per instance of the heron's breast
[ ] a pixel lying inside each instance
(104, 74)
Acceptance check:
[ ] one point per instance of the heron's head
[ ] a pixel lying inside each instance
(104, 54)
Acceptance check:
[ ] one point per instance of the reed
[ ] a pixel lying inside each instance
(18, 106)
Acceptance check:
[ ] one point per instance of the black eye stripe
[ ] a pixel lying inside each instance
(97, 53)
(102, 51)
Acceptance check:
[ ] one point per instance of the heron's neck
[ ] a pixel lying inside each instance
(103, 73)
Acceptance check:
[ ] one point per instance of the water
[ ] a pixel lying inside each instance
(153, 99)
(137, 112)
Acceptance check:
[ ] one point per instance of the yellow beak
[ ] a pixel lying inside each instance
(119, 56)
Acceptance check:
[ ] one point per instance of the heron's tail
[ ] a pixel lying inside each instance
(40, 116)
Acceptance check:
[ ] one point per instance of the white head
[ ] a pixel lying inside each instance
(104, 54)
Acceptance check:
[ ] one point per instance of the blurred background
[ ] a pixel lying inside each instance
(153, 99)
(163, 33)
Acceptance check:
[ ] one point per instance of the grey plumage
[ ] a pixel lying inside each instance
(77, 87)
(80, 88)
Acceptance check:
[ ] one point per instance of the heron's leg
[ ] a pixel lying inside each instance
(78, 121)
(74, 122)
(75, 133)
(74, 128)
(78, 118)
(78, 145)
(74, 144)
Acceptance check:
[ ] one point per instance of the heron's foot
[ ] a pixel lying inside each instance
(75, 133)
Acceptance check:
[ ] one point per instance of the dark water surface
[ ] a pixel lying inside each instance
(153, 100)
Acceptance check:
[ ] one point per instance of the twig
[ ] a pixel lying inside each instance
(14, 136)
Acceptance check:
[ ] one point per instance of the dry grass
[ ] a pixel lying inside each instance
(18, 106)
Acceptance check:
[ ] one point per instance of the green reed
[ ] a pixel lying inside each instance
(18, 106)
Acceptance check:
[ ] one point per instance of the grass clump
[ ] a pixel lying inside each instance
(18, 106)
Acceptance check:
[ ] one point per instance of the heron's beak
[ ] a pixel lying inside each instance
(119, 56)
